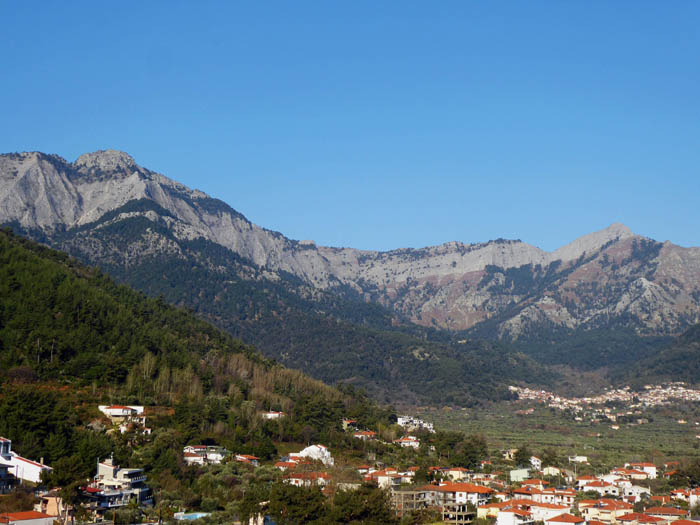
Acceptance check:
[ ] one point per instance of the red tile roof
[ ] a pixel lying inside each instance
(464, 487)
(565, 518)
(26, 515)
(639, 517)
(666, 511)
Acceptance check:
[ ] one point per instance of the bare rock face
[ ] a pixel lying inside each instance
(107, 161)
(606, 277)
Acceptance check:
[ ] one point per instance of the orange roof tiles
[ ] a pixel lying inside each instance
(566, 518)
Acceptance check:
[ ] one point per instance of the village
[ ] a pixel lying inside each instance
(615, 405)
(510, 487)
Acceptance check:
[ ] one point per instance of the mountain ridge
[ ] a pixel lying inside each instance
(454, 285)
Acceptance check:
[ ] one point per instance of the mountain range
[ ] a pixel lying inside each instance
(431, 305)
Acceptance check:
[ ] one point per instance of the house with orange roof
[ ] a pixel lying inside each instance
(541, 511)
(557, 496)
(603, 488)
(668, 513)
(459, 493)
(582, 481)
(514, 516)
(193, 459)
(529, 493)
(565, 519)
(29, 517)
(534, 483)
(349, 423)
(248, 459)
(408, 441)
(285, 465)
(457, 473)
(639, 518)
(307, 479)
(365, 435)
(605, 510)
(630, 473)
(385, 478)
(680, 494)
(649, 468)
(491, 510)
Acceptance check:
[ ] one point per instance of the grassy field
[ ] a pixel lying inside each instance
(662, 439)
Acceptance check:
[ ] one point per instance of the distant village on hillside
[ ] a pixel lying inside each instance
(615, 405)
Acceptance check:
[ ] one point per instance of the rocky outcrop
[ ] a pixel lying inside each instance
(610, 277)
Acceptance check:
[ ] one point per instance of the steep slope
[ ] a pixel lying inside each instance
(163, 237)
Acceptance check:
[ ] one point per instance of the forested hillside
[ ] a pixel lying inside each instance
(62, 323)
(70, 339)
(335, 337)
(678, 361)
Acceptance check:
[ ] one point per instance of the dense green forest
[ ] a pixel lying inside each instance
(70, 339)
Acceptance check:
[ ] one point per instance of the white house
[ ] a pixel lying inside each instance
(318, 452)
(603, 488)
(121, 411)
(408, 441)
(460, 493)
(21, 468)
(649, 468)
(209, 455)
(545, 511)
(272, 415)
(693, 498)
(578, 459)
(385, 478)
(126, 416)
(307, 479)
(635, 492)
(413, 423)
(536, 462)
(514, 516)
(193, 459)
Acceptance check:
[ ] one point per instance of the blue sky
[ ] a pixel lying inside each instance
(379, 125)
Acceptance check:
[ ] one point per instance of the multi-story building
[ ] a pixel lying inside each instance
(115, 487)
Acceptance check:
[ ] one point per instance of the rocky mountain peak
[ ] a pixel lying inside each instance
(592, 242)
(105, 161)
